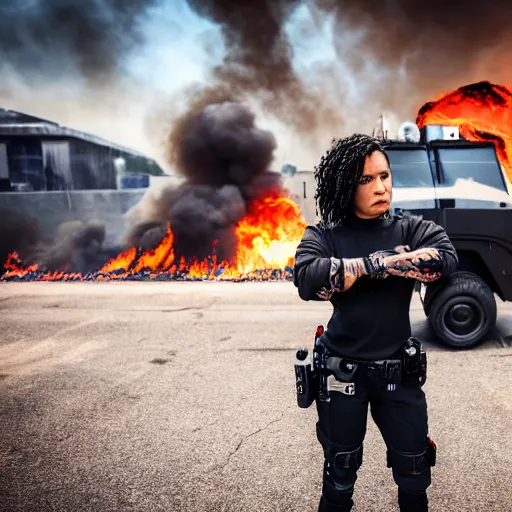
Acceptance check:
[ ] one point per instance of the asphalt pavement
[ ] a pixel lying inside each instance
(180, 397)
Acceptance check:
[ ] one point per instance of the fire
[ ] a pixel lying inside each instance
(481, 111)
(267, 235)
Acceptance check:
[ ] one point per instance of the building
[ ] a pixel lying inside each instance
(40, 155)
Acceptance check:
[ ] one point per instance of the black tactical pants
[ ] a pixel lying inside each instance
(401, 416)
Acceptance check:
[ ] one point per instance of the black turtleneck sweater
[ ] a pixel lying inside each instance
(370, 321)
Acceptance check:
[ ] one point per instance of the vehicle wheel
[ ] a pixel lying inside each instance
(463, 311)
(433, 288)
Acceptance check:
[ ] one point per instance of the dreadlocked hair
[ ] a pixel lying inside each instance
(338, 175)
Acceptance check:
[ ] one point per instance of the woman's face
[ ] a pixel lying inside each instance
(373, 193)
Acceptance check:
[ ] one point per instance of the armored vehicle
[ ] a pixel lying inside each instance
(460, 185)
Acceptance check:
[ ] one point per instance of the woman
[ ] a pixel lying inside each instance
(365, 262)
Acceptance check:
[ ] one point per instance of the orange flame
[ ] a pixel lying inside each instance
(481, 111)
(267, 235)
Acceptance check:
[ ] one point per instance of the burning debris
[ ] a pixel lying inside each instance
(481, 111)
(229, 219)
(18, 232)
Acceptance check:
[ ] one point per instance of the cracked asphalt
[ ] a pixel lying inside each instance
(180, 397)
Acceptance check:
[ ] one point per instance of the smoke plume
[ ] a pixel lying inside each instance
(91, 36)
(258, 61)
(424, 50)
(224, 159)
(77, 246)
(390, 56)
(18, 232)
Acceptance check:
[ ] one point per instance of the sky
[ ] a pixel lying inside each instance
(178, 49)
(181, 47)
(120, 68)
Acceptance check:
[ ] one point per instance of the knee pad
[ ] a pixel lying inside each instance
(339, 456)
(413, 464)
(338, 480)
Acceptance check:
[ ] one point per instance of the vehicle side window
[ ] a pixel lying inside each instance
(476, 164)
(410, 168)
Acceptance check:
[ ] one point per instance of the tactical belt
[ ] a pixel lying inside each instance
(345, 369)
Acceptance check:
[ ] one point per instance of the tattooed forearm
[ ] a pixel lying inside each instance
(423, 264)
(353, 269)
(375, 264)
(342, 275)
(334, 280)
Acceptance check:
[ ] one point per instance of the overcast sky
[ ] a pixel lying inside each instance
(82, 65)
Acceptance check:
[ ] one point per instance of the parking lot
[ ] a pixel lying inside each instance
(180, 397)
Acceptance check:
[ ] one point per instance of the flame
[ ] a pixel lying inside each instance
(481, 111)
(267, 236)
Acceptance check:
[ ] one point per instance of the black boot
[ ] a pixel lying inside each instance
(341, 506)
(412, 501)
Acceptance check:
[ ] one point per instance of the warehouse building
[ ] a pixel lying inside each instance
(40, 155)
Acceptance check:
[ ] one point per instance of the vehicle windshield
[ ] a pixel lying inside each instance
(476, 164)
(410, 168)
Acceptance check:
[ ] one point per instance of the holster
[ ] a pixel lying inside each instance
(414, 363)
(320, 371)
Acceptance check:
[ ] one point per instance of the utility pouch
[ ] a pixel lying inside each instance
(385, 371)
(414, 363)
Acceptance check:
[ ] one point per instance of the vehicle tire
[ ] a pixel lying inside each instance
(433, 288)
(463, 311)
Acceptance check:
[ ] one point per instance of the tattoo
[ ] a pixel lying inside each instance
(375, 264)
(327, 292)
(354, 267)
(423, 265)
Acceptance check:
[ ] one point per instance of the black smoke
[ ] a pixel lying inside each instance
(427, 49)
(258, 62)
(401, 54)
(18, 232)
(44, 37)
(224, 159)
(78, 246)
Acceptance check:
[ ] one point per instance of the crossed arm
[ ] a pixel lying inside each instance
(318, 278)
(424, 265)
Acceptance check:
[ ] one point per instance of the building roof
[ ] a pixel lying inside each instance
(18, 123)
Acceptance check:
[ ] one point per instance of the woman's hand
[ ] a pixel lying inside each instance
(421, 264)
